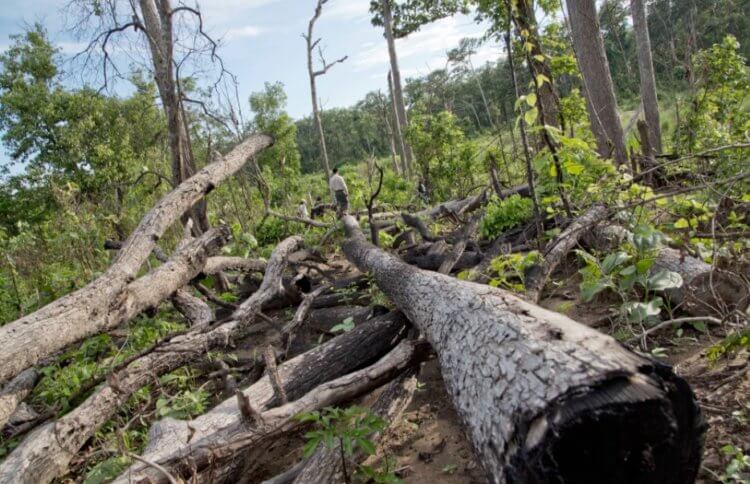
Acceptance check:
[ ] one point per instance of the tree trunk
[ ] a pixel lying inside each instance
(170, 439)
(536, 390)
(525, 20)
(600, 92)
(157, 20)
(398, 94)
(397, 132)
(649, 99)
(95, 307)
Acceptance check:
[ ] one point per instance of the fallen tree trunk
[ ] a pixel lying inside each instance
(45, 453)
(95, 308)
(432, 262)
(537, 390)
(325, 465)
(15, 392)
(705, 291)
(195, 310)
(555, 253)
(214, 265)
(171, 439)
(452, 258)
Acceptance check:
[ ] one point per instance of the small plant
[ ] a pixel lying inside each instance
(510, 269)
(348, 429)
(629, 274)
(730, 345)
(344, 327)
(738, 469)
(505, 214)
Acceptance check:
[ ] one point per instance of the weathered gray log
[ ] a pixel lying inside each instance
(195, 310)
(97, 307)
(15, 392)
(325, 466)
(170, 440)
(555, 253)
(45, 453)
(218, 264)
(536, 390)
(454, 255)
(705, 291)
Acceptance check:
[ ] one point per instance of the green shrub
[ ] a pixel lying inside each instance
(505, 214)
(270, 231)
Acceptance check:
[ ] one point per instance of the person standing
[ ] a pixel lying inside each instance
(340, 192)
(302, 210)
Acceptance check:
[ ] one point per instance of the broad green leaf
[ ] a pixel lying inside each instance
(531, 99)
(664, 280)
(681, 223)
(530, 116)
(614, 260)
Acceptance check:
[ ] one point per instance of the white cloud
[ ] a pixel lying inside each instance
(347, 10)
(437, 37)
(241, 32)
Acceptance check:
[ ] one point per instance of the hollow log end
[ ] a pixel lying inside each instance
(645, 428)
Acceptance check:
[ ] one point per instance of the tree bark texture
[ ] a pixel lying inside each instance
(536, 390)
(46, 453)
(15, 392)
(601, 102)
(172, 440)
(398, 92)
(157, 20)
(649, 99)
(555, 253)
(99, 306)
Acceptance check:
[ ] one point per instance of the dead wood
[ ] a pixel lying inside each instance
(325, 465)
(45, 454)
(15, 392)
(535, 390)
(559, 248)
(706, 290)
(99, 306)
(171, 441)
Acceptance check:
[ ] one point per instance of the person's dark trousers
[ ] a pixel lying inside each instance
(342, 201)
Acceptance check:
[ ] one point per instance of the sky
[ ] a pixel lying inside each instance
(261, 42)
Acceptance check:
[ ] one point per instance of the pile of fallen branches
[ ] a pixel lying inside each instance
(534, 389)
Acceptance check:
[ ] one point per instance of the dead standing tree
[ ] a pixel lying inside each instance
(314, 74)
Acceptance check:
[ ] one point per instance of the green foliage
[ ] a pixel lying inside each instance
(505, 214)
(344, 327)
(509, 270)
(107, 470)
(441, 152)
(738, 468)
(717, 116)
(346, 429)
(70, 378)
(271, 231)
(629, 274)
(734, 342)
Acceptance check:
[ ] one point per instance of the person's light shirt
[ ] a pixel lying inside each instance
(302, 211)
(337, 183)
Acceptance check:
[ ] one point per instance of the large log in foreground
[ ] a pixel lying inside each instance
(543, 398)
(100, 305)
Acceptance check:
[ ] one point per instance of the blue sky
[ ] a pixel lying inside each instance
(261, 42)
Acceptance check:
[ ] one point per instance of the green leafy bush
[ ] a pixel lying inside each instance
(505, 214)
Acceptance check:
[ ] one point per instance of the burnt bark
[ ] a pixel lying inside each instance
(535, 390)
